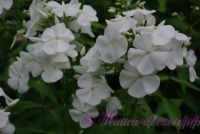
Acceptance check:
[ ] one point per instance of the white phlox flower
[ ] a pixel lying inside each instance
(142, 16)
(92, 90)
(57, 38)
(84, 19)
(138, 85)
(83, 113)
(146, 57)
(18, 77)
(113, 106)
(71, 9)
(112, 45)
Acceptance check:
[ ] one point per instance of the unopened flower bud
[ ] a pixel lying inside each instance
(174, 14)
(117, 3)
(82, 53)
(196, 8)
(142, 3)
(111, 10)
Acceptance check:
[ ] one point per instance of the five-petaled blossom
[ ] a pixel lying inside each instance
(83, 113)
(92, 90)
(138, 85)
(57, 38)
(112, 45)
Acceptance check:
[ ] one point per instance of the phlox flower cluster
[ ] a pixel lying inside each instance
(144, 49)
(133, 45)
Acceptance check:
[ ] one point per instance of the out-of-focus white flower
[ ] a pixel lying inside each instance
(191, 61)
(83, 113)
(57, 8)
(9, 101)
(112, 45)
(83, 21)
(92, 90)
(124, 23)
(145, 56)
(138, 85)
(162, 34)
(87, 15)
(142, 16)
(5, 4)
(113, 106)
(72, 9)
(18, 77)
(57, 39)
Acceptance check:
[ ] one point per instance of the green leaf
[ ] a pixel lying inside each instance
(171, 108)
(22, 106)
(146, 110)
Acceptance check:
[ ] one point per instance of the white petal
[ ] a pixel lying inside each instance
(159, 59)
(151, 83)
(57, 8)
(135, 56)
(8, 129)
(143, 42)
(127, 78)
(92, 113)
(86, 122)
(6, 4)
(23, 86)
(137, 89)
(86, 81)
(52, 75)
(76, 115)
(193, 75)
(3, 118)
(102, 90)
(13, 83)
(163, 35)
(146, 66)
(48, 34)
(88, 96)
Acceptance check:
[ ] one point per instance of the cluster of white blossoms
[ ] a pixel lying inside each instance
(5, 5)
(134, 40)
(51, 49)
(80, 18)
(5, 126)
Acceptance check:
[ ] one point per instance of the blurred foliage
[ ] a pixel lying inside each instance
(44, 108)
